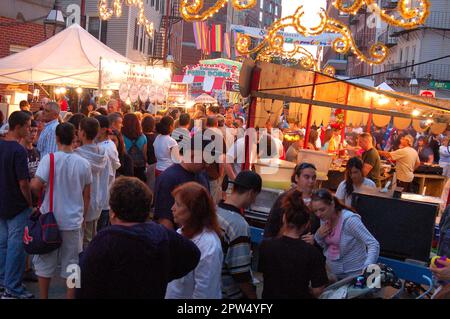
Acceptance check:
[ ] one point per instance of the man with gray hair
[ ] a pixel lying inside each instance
(407, 161)
(112, 106)
(47, 140)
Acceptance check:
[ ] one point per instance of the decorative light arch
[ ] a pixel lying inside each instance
(106, 13)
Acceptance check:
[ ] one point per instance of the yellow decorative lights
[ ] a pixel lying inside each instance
(409, 17)
(106, 13)
(190, 9)
(406, 16)
(273, 44)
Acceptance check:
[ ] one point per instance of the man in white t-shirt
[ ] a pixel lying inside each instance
(261, 145)
(72, 186)
(407, 161)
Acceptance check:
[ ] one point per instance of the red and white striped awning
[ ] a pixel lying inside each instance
(209, 83)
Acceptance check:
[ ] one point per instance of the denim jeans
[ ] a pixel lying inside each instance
(12, 253)
(103, 221)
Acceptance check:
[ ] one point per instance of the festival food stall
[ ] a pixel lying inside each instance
(217, 77)
(312, 96)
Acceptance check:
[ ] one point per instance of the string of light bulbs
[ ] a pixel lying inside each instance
(106, 13)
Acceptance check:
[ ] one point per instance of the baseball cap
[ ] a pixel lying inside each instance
(249, 180)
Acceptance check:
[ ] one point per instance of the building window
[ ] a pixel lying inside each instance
(98, 28)
(163, 6)
(261, 4)
(152, 3)
(16, 48)
(260, 16)
(406, 54)
(401, 56)
(157, 5)
(94, 26)
(276, 10)
(136, 35)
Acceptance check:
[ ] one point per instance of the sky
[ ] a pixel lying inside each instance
(289, 6)
(310, 19)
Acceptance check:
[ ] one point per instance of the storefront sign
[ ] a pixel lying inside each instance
(440, 85)
(230, 73)
(427, 93)
(325, 39)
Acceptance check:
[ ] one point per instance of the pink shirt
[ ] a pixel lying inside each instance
(333, 241)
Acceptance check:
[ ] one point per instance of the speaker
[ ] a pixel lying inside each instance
(403, 228)
(245, 77)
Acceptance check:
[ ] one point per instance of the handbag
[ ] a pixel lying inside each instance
(41, 235)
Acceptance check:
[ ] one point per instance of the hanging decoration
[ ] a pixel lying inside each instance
(190, 9)
(274, 43)
(106, 13)
(409, 17)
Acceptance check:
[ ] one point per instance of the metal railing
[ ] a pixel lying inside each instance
(386, 38)
(430, 71)
(436, 20)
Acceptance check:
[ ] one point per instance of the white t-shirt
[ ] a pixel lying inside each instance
(236, 153)
(110, 150)
(205, 281)
(163, 145)
(342, 195)
(406, 159)
(72, 174)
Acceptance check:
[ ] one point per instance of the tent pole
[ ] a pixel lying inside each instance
(345, 114)
(256, 75)
(309, 118)
(369, 121)
(100, 74)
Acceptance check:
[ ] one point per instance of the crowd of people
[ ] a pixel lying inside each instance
(144, 218)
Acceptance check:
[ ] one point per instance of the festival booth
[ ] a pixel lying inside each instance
(404, 232)
(218, 78)
(74, 58)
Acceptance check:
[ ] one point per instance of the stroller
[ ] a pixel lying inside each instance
(357, 287)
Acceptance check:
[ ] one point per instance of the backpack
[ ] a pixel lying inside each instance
(136, 155)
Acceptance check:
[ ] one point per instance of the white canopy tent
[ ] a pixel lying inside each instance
(205, 99)
(72, 58)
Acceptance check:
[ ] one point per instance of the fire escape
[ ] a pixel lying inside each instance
(161, 43)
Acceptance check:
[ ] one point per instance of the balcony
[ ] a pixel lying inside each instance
(388, 40)
(440, 72)
(389, 4)
(436, 20)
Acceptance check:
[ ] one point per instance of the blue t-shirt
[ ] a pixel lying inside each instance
(172, 177)
(140, 142)
(13, 168)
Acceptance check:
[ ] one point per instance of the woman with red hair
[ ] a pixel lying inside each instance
(135, 144)
(194, 211)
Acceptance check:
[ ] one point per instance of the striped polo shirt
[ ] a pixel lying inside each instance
(236, 250)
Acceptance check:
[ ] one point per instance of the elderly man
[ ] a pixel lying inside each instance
(407, 161)
(47, 140)
(113, 106)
